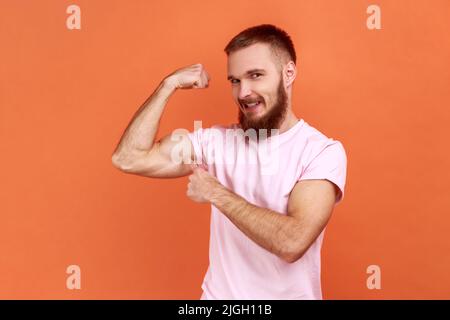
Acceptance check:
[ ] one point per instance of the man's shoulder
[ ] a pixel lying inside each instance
(316, 141)
(312, 134)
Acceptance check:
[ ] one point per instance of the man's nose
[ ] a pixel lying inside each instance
(244, 90)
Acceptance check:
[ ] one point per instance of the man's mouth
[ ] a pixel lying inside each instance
(253, 106)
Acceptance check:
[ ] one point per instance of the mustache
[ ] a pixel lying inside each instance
(251, 100)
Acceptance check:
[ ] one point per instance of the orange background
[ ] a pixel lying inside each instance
(67, 95)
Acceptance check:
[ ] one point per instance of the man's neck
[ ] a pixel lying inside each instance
(289, 121)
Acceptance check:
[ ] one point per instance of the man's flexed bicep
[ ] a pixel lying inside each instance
(138, 153)
(170, 157)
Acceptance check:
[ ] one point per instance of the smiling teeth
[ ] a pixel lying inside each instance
(252, 104)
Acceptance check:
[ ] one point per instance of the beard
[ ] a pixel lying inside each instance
(272, 119)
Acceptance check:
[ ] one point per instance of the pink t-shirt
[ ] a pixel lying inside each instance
(238, 267)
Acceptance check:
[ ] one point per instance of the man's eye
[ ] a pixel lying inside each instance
(253, 76)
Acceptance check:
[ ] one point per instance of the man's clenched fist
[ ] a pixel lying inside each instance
(193, 76)
(202, 185)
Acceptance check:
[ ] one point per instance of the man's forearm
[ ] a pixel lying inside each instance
(273, 231)
(140, 133)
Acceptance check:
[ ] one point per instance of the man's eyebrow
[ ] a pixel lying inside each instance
(249, 72)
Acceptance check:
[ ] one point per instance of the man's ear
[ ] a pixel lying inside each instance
(290, 73)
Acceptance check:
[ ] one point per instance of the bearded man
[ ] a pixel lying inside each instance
(267, 226)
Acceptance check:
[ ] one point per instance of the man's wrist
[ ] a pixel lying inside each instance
(169, 85)
(216, 193)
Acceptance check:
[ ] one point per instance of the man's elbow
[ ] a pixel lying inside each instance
(293, 257)
(295, 253)
(120, 164)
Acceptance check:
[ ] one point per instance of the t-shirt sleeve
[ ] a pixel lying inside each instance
(329, 163)
(199, 142)
(195, 138)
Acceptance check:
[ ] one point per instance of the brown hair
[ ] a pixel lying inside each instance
(279, 41)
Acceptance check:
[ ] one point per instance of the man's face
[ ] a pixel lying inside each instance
(254, 77)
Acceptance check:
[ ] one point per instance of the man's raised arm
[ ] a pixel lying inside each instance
(137, 152)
